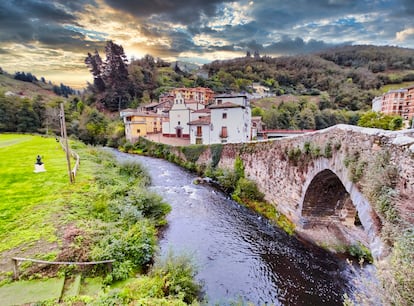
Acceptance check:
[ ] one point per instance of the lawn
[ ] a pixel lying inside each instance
(31, 291)
(29, 200)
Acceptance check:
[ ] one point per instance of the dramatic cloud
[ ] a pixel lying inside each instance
(52, 38)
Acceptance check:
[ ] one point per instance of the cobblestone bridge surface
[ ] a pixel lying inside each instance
(317, 179)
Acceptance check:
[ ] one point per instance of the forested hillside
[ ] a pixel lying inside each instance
(308, 91)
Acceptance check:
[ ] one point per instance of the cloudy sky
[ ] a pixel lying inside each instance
(52, 38)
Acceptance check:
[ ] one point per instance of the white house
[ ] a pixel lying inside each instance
(179, 117)
(229, 122)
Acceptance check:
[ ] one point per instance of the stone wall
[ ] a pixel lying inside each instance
(284, 168)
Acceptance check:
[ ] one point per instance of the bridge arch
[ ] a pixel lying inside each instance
(328, 195)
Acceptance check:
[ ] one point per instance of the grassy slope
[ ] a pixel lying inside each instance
(28, 200)
(31, 90)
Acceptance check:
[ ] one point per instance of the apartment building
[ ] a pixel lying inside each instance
(200, 95)
(396, 102)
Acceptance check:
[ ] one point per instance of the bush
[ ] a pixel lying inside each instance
(328, 150)
(247, 189)
(178, 273)
(361, 252)
(148, 203)
(227, 180)
(132, 249)
(134, 170)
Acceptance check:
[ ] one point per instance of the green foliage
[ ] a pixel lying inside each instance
(379, 186)
(400, 287)
(134, 170)
(178, 274)
(193, 152)
(257, 111)
(239, 167)
(227, 180)
(356, 166)
(149, 204)
(294, 155)
(132, 249)
(247, 189)
(379, 120)
(328, 150)
(170, 282)
(361, 252)
(216, 150)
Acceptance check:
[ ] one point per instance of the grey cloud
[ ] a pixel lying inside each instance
(295, 45)
(179, 11)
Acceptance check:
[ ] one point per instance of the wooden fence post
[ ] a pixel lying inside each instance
(15, 269)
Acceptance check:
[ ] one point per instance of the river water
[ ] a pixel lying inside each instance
(239, 255)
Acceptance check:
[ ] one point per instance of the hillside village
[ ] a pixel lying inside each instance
(195, 114)
(200, 116)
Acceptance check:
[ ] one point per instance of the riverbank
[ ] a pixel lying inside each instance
(108, 214)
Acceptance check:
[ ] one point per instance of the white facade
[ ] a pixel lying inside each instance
(229, 121)
(377, 104)
(179, 117)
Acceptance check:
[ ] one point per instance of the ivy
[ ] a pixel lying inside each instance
(215, 150)
(193, 152)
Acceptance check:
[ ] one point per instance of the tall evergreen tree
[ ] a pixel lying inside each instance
(115, 76)
(95, 64)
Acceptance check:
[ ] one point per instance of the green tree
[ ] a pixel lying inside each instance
(378, 120)
(27, 119)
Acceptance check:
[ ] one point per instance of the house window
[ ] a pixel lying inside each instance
(138, 131)
(179, 122)
(199, 141)
(199, 132)
(224, 115)
(219, 101)
(128, 118)
(223, 133)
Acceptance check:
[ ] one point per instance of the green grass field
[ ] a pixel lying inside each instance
(28, 200)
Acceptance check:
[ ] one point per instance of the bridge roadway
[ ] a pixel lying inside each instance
(319, 177)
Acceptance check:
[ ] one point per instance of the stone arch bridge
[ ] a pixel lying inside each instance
(323, 178)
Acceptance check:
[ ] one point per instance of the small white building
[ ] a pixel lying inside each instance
(179, 117)
(229, 121)
(377, 104)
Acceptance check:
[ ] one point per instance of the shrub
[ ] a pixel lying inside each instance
(307, 147)
(227, 180)
(178, 273)
(134, 170)
(361, 252)
(294, 155)
(238, 167)
(150, 204)
(379, 186)
(328, 150)
(247, 189)
(131, 249)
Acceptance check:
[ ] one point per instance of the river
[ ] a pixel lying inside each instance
(240, 256)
